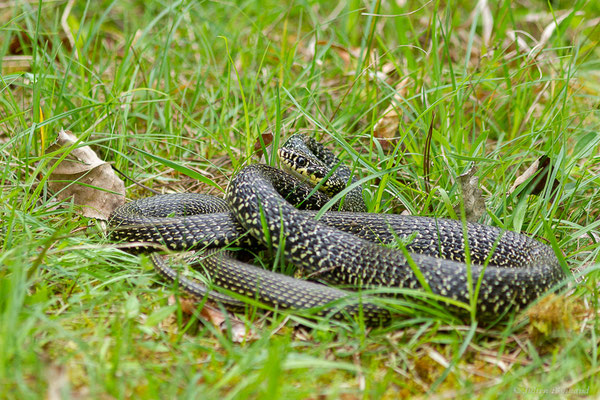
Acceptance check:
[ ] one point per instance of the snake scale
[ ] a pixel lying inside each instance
(504, 270)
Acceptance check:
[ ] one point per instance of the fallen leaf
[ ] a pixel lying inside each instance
(238, 330)
(220, 320)
(239, 333)
(386, 129)
(87, 179)
(388, 69)
(346, 54)
(262, 142)
(188, 306)
(534, 178)
(472, 197)
(214, 315)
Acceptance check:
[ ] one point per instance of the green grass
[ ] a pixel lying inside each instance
(197, 83)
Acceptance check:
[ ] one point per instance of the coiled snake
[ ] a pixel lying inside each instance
(506, 271)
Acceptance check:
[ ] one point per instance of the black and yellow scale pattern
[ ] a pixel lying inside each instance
(341, 248)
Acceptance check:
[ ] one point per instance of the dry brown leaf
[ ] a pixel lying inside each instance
(540, 168)
(239, 333)
(346, 54)
(214, 315)
(218, 318)
(188, 306)
(386, 128)
(84, 177)
(472, 197)
(388, 68)
(267, 138)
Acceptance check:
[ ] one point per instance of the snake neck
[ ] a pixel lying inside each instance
(311, 161)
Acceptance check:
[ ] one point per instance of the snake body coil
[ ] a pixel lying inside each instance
(507, 270)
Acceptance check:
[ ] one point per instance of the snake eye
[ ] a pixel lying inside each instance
(301, 162)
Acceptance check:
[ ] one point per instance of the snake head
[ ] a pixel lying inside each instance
(301, 157)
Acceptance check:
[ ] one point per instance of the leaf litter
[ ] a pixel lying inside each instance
(82, 176)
